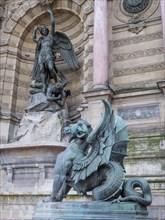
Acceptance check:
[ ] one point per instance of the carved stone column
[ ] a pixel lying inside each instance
(92, 107)
(162, 2)
(100, 59)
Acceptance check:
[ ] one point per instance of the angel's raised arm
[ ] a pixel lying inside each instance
(52, 20)
(34, 34)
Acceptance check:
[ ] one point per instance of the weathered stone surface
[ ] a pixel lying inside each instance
(75, 210)
(40, 126)
(28, 168)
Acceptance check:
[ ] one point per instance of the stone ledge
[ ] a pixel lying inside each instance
(76, 210)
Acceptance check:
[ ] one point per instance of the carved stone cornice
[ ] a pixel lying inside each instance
(139, 69)
(99, 94)
(138, 54)
(137, 39)
(136, 86)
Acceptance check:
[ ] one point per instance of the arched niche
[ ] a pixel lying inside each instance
(72, 17)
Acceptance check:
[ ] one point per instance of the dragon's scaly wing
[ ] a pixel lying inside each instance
(65, 47)
(101, 141)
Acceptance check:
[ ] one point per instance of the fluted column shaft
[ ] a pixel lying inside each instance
(100, 59)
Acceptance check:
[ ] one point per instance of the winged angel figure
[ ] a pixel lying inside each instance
(93, 161)
(47, 45)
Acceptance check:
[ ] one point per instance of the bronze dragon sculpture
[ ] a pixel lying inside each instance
(93, 161)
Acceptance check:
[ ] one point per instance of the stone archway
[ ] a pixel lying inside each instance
(18, 53)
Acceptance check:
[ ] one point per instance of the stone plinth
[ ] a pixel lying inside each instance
(28, 168)
(90, 210)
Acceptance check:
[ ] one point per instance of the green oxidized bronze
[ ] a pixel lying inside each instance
(93, 161)
(135, 6)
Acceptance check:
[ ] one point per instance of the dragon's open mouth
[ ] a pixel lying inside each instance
(80, 134)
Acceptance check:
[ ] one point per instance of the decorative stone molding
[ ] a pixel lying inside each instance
(147, 84)
(135, 13)
(138, 54)
(139, 112)
(136, 24)
(137, 39)
(139, 69)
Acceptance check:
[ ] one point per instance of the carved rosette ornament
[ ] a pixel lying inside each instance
(134, 13)
(135, 6)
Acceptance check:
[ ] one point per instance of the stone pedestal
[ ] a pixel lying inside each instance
(90, 210)
(26, 176)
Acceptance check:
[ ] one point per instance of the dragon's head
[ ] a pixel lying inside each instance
(79, 130)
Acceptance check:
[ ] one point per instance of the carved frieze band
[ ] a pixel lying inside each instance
(147, 84)
(140, 69)
(137, 39)
(137, 54)
(139, 112)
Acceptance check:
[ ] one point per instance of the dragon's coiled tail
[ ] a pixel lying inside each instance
(112, 175)
(130, 194)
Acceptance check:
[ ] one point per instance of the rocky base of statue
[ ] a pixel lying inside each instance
(76, 210)
(42, 122)
(40, 127)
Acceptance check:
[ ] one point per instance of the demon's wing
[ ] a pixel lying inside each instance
(65, 47)
(101, 141)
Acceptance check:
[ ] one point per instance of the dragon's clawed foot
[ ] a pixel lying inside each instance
(116, 201)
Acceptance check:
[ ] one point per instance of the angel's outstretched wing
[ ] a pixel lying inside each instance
(101, 141)
(64, 46)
